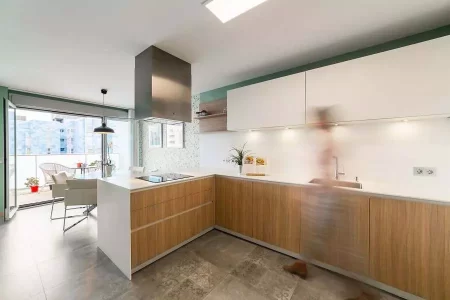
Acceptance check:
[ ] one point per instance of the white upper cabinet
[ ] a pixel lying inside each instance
(405, 82)
(273, 103)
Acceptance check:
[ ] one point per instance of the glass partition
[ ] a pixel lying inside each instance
(46, 138)
(119, 144)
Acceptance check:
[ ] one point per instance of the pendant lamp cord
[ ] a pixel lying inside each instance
(103, 109)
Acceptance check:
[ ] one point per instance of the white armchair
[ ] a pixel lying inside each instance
(59, 187)
(79, 193)
(49, 169)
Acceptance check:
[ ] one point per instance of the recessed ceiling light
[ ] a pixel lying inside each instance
(336, 124)
(226, 10)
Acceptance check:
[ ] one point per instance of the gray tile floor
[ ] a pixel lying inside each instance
(38, 261)
(26, 197)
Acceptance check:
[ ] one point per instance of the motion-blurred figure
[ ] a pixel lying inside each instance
(327, 146)
(324, 194)
(325, 158)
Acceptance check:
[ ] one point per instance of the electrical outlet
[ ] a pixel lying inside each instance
(424, 171)
(430, 171)
(418, 171)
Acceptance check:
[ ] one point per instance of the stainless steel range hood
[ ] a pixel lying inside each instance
(162, 86)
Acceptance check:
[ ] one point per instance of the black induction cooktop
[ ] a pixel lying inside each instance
(158, 178)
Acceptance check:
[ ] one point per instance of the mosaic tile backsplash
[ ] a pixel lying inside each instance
(171, 159)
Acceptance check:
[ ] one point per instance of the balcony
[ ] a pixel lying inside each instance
(28, 166)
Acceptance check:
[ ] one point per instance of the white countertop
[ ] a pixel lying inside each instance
(129, 182)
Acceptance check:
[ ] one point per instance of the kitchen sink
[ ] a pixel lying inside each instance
(339, 183)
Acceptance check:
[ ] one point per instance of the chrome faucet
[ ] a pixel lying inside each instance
(336, 169)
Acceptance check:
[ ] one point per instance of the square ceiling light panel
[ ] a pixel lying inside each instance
(226, 10)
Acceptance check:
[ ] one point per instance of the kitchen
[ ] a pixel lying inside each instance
(223, 189)
(399, 206)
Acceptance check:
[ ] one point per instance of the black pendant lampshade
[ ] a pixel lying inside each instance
(103, 129)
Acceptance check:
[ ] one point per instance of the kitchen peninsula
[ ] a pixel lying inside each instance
(140, 221)
(390, 239)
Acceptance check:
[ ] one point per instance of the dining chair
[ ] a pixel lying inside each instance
(79, 193)
(59, 191)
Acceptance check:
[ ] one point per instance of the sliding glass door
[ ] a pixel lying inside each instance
(39, 143)
(49, 142)
(119, 144)
(10, 160)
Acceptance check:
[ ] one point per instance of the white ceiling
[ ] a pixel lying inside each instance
(73, 49)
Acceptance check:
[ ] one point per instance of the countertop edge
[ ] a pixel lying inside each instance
(344, 189)
(154, 185)
(171, 183)
(269, 179)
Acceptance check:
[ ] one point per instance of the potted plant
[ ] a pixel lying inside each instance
(33, 184)
(237, 156)
(109, 165)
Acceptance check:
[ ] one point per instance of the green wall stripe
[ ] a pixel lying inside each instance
(221, 93)
(63, 100)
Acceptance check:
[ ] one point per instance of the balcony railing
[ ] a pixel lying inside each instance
(28, 165)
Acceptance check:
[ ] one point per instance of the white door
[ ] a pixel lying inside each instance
(10, 160)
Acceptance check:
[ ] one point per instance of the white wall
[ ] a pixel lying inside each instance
(378, 152)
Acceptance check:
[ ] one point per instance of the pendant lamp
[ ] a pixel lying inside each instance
(103, 129)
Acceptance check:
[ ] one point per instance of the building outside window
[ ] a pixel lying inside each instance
(43, 133)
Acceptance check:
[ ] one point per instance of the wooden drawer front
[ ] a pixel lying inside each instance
(199, 199)
(140, 200)
(193, 187)
(407, 246)
(234, 206)
(157, 212)
(153, 240)
(335, 229)
(169, 208)
(207, 184)
(157, 204)
(276, 215)
(193, 200)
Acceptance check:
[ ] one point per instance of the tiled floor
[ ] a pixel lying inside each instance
(26, 197)
(38, 261)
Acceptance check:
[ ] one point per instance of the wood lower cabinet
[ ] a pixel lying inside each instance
(408, 246)
(234, 205)
(335, 229)
(401, 243)
(162, 218)
(276, 215)
(153, 205)
(447, 251)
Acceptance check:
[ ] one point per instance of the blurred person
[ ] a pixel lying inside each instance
(324, 194)
(325, 158)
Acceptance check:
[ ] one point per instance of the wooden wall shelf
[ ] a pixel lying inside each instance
(211, 116)
(217, 119)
